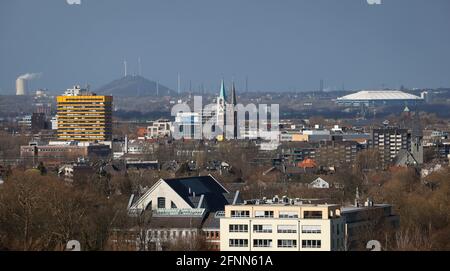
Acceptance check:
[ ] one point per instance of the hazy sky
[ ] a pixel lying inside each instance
(278, 44)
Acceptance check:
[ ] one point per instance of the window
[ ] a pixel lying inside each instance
(311, 229)
(287, 229)
(238, 242)
(262, 228)
(262, 243)
(312, 214)
(173, 205)
(287, 243)
(284, 214)
(161, 203)
(238, 228)
(311, 243)
(239, 213)
(263, 214)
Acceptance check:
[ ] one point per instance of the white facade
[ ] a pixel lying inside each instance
(54, 122)
(21, 86)
(282, 227)
(76, 91)
(319, 183)
(160, 196)
(159, 128)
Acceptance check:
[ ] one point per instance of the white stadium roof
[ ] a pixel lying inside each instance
(379, 95)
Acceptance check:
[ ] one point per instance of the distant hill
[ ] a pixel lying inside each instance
(134, 86)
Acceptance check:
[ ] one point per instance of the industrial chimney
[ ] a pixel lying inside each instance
(21, 86)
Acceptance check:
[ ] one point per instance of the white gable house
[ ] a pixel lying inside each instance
(319, 183)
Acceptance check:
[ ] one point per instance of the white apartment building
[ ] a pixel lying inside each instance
(159, 128)
(282, 225)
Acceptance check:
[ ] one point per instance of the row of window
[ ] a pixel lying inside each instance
(282, 214)
(212, 234)
(281, 243)
(171, 234)
(280, 228)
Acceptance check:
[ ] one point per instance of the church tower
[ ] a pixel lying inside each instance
(232, 111)
(221, 111)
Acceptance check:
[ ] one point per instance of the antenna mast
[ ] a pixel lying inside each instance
(139, 67)
(179, 83)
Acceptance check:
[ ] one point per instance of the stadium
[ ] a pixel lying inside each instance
(379, 98)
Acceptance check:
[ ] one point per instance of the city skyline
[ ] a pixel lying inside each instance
(289, 47)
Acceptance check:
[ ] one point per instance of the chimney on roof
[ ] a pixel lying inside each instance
(369, 202)
(190, 191)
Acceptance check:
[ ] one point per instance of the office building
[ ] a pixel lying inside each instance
(281, 225)
(55, 154)
(84, 116)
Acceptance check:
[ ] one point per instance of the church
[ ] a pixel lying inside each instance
(226, 114)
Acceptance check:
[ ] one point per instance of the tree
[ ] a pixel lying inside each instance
(42, 213)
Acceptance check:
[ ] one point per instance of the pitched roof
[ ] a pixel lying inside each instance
(233, 95)
(175, 222)
(222, 91)
(307, 163)
(212, 222)
(214, 193)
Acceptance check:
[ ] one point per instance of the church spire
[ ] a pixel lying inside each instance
(233, 94)
(222, 91)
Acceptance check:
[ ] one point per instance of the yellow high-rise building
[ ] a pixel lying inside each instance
(84, 116)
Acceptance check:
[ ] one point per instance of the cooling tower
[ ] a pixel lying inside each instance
(21, 86)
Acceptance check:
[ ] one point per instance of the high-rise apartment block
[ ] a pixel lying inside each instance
(389, 141)
(84, 116)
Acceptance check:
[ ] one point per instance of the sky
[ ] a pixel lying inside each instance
(287, 45)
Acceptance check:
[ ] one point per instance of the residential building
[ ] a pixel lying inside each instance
(281, 225)
(75, 172)
(319, 183)
(292, 153)
(25, 122)
(84, 116)
(159, 128)
(362, 221)
(389, 141)
(183, 209)
(336, 153)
